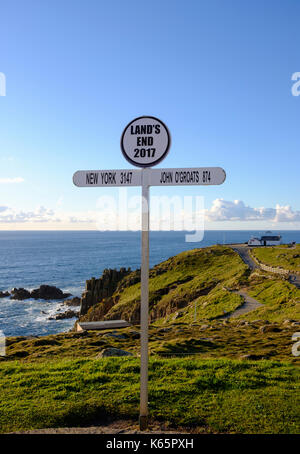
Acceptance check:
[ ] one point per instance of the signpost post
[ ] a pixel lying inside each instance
(144, 303)
(144, 143)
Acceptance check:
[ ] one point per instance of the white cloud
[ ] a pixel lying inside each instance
(286, 214)
(41, 214)
(114, 218)
(45, 215)
(11, 180)
(224, 210)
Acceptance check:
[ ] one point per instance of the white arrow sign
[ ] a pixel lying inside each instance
(186, 177)
(96, 178)
(153, 177)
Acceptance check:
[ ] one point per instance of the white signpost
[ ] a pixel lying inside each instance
(144, 143)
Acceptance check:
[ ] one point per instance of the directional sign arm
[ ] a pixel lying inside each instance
(156, 177)
(109, 178)
(187, 176)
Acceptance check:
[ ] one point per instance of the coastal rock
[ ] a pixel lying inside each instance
(165, 330)
(64, 315)
(72, 302)
(270, 329)
(162, 309)
(287, 322)
(110, 351)
(134, 334)
(204, 327)
(251, 357)
(20, 294)
(97, 290)
(114, 335)
(177, 314)
(48, 292)
(4, 294)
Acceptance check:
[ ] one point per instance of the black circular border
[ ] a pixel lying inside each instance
(162, 156)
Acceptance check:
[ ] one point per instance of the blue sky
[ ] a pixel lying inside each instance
(218, 73)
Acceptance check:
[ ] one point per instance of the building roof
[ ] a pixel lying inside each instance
(270, 238)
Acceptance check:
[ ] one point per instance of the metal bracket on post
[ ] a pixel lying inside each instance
(144, 302)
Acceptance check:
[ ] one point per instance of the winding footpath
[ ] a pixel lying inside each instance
(243, 252)
(250, 304)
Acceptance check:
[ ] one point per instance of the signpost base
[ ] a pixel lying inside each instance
(143, 422)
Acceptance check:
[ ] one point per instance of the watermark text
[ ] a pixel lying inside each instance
(167, 213)
(2, 84)
(296, 86)
(2, 344)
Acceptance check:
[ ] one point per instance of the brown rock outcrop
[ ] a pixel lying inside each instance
(97, 290)
(19, 294)
(4, 294)
(48, 292)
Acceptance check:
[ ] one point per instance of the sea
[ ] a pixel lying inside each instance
(67, 259)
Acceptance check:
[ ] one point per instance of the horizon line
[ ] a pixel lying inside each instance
(139, 230)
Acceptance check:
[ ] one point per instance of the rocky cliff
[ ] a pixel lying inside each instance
(96, 290)
(175, 286)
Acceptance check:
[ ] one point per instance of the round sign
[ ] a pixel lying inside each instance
(145, 141)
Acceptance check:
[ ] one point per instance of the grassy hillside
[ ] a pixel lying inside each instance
(215, 339)
(280, 256)
(176, 283)
(201, 280)
(216, 374)
(280, 298)
(214, 396)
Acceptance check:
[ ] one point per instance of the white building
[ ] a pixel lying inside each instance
(254, 242)
(265, 240)
(270, 240)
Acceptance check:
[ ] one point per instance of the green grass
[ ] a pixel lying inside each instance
(214, 339)
(212, 395)
(178, 281)
(279, 256)
(280, 298)
(217, 303)
(197, 377)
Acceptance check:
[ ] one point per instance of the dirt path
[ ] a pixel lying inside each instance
(243, 252)
(250, 304)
